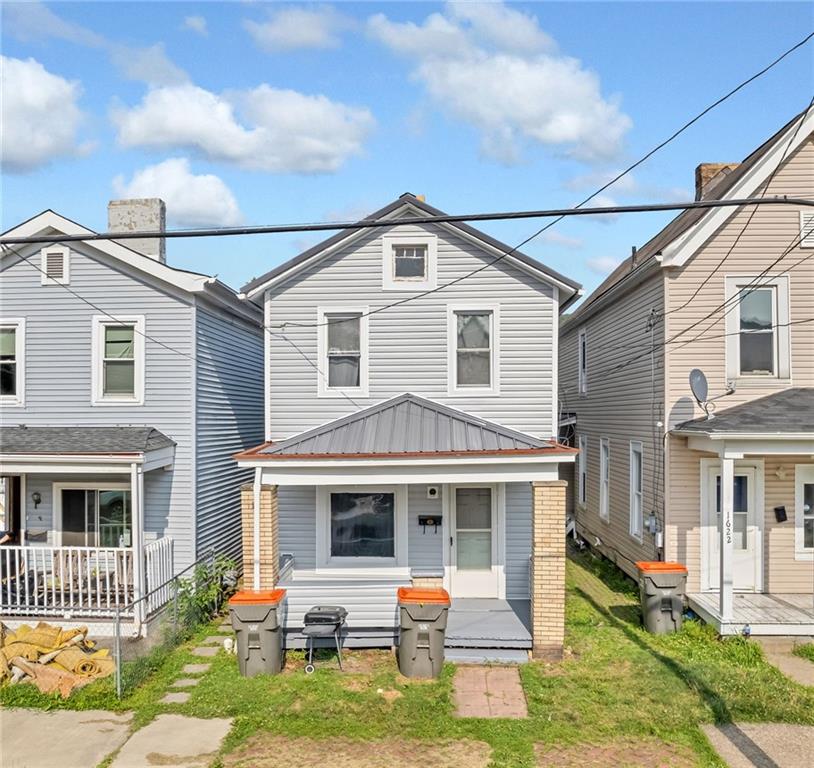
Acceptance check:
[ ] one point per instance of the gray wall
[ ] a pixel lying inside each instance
(518, 540)
(408, 344)
(229, 418)
(298, 524)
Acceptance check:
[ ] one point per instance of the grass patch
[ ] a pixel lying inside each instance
(805, 651)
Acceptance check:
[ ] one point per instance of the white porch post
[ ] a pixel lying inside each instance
(727, 546)
(137, 502)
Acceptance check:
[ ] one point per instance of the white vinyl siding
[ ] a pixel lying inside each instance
(604, 478)
(118, 360)
(12, 361)
(582, 470)
(636, 489)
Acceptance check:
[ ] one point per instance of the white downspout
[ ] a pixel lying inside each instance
(258, 480)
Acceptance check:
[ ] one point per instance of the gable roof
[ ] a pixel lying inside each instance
(192, 282)
(649, 253)
(408, 202)
(404, 426)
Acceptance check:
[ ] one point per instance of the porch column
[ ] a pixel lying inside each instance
(548, 568)
(727, 546)
(137, 512)
(261, 560)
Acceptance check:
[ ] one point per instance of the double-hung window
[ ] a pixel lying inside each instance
(343, 351)
(636, 488)
(604, 478)
(582, 469)
(473, 341)
(12, 363)
(583, 361)
(118, 360)
(804, 511)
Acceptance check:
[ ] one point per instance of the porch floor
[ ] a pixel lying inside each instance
(488, 623)
(764, 613)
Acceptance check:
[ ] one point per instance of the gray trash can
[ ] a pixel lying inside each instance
(661, 588)
(422, 629)
(258, 629)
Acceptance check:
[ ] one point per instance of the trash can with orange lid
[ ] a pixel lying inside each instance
(422, 630)
(661, 589)
(256, 619)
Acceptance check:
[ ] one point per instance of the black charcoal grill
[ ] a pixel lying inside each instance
(323, 621)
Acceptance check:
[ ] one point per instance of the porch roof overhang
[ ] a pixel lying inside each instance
(78, 450)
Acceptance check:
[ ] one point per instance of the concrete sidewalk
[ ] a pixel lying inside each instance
(763, 745)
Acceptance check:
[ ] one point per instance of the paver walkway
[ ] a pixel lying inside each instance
(173, 740)
(489, 692)
(30, 738)
(770, 745)
(779, 652)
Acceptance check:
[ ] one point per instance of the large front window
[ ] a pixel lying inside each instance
(96, 517)
(362, 524)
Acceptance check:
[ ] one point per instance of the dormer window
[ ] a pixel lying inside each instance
(55, 265)
(409, 262)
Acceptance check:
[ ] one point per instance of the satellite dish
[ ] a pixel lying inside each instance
(699, 386)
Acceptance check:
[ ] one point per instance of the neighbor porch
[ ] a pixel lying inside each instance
(758, 613)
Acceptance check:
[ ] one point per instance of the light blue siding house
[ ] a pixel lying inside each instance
(411, 403)
(126, 387)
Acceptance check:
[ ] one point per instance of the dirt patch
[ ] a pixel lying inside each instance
(644, 753)
(358, 661)
(390, 695)
(264, 750)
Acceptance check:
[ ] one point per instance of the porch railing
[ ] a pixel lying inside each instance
(158, 570)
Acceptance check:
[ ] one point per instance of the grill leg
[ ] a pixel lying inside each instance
(338, 648)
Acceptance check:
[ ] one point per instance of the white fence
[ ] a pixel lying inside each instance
(158, 558)
(78, 581)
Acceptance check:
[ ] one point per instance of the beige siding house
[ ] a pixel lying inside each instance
(728, 291)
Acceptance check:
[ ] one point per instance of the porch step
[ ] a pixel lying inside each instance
(486, 656)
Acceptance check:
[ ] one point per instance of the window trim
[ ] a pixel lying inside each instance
(97, 377)
(453, 390)
(18, 323)
(582, 471)
(65, 252)
(636, 446)
(323, 390)
(582, 361)
(604, 479)
(806, 240)
(324, 560)
(782, 335)
(389, 280)
(803, 474)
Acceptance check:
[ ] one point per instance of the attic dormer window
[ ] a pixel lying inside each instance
(409, 262)
(55, 265)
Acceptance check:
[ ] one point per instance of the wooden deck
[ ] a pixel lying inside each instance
(762, 613)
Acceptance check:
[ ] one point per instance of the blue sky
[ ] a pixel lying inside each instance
(278, 112)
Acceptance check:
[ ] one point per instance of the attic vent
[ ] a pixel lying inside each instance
(55, 265)
(806, 230)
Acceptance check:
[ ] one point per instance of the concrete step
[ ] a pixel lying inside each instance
(486, 656)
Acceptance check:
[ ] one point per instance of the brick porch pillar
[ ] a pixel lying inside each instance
(548, 568)
(269, 536)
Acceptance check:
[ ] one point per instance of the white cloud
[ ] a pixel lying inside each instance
(39, 115)
(192, 200)
(495, 69)
(629, 186)
(294, 27)
(148, 65)
(603, 265)
(264, 128)
(557, 238)
(196, 24)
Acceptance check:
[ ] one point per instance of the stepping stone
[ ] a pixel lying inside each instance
(489, 692)
(195, 669)
(213, 640)
(176, 697)
(226, 627)
(186, 682)
(208, 651)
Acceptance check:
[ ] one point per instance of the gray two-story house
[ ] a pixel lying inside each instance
(410, 424)
(125, 387)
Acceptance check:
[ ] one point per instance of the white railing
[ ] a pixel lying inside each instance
(158, 569)
(60, 581)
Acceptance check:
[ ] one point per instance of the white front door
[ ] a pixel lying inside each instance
(474, 541)
(747, 554)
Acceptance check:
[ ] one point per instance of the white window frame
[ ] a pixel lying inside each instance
(582, 361)
(604, 479)
(636, 527)
(780, 319)
(806, 229)
(389, 280)
(100, 322)
(18, 323)
(323, 390)
(324, 561)
(582, 471)
(88, 485)
(63, 251)
(803, 473)
(453, 390)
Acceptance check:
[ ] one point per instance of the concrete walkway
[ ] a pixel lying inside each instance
(31, 738)
(780, 652)
(770, 745)
(489, 692)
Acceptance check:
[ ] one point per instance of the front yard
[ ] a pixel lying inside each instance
(621, 697)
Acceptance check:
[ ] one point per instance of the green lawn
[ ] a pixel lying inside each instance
(616, 683)
(805, 651)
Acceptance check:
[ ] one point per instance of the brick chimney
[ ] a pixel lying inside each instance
(708, 176)
(143, 214)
